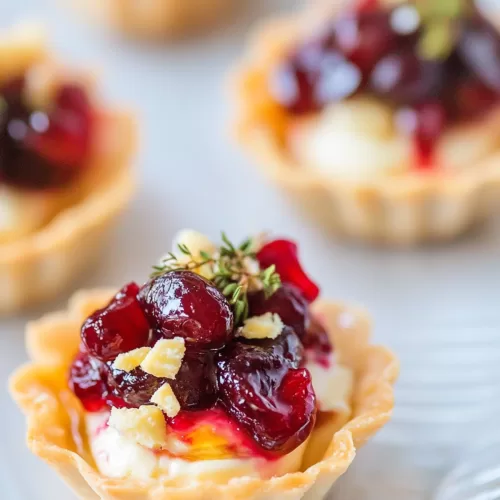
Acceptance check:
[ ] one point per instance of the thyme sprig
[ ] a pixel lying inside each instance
(233, 269)
(440, 23)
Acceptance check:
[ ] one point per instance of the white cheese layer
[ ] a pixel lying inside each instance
(358, 138)
(116, 456)
(333, 385)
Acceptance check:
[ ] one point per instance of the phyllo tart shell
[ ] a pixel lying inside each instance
(38, 264)
(398, 209)
(55, 416)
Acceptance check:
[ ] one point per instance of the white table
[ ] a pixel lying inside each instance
(437, 307)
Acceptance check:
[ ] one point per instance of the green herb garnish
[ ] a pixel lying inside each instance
(233, 269)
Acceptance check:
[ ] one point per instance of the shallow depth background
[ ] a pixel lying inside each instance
(437, 307)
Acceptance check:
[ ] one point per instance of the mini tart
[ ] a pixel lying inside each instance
(54, 414)
(390, 209)
(60, 232)
(155, 19)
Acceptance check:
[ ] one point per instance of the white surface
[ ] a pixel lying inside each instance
(437, 307)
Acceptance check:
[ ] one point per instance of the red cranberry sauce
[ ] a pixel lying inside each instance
(377, 51)
(43, 149)
(260, 384)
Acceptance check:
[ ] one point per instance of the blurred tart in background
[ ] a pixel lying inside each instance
(382, 118)
(155, 19)
(222, 377)
(64, 170)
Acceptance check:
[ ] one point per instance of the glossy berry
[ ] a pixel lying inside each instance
(194, 385)
(183, 304)
(284, 255)
(288, 302)
(364, 38)
(405, 78)
(38, 149)
(274, 403)
(135, 388)
(287, 346)
(88, 381)
(118, 328)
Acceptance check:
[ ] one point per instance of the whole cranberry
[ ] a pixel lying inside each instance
(284, 255)
(404, 78)
(39, 149)
(288, 302)
(135, 388)
(194, 385)
(88, 381)
(365, 37)
(287, 347)
(274, 403)
(183, 304)
(119, 327)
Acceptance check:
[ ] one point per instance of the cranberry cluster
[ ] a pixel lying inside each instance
(43, 149)
(260, 384)
(377, 51)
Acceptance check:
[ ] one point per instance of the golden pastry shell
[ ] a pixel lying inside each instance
(53, 413)
(403, 209)
(39, 265)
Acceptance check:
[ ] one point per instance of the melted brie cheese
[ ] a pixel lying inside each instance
(117, 456)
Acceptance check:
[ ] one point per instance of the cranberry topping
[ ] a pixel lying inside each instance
(181, 303)
(118, 328)
(405, 78)
(272, 401)
(284, 255)
(260, 385)
(88, 381)
(288, 302)
(39, 149)
(135, 388)
(196, 384)
(378, 51)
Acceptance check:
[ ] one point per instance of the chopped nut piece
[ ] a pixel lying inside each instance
(267, 326)
(145, 425)
(132, 359)
(165, 399)
(165, 358)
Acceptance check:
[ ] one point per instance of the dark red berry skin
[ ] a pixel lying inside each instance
(405, 79)
(118, 328)
(135, 388)
(272, 401)
(195, 385)
(88, 381)
(183, 304)
(288, 302)
(34, 158)
(284, 255)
